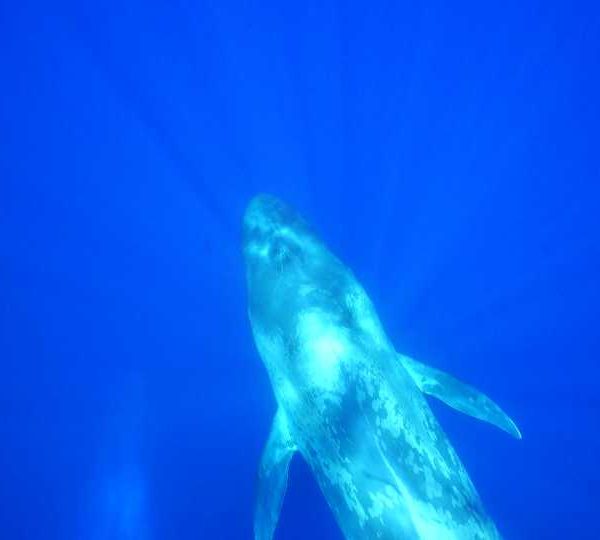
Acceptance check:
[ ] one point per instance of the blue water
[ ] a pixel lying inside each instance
(447, 152)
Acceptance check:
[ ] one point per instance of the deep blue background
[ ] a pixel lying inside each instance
(448, 152)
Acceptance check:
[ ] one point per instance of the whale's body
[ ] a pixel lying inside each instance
(347, 401)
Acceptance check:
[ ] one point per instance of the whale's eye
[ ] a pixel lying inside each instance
(278, 250)
(284, 253)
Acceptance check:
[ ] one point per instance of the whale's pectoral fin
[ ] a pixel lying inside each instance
(272, 477)
(458, 395)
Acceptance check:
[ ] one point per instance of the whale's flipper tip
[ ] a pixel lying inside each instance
(514, 430)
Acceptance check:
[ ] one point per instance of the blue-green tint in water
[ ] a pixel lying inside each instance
(447, 153)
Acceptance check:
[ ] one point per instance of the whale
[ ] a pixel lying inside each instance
(351, 405)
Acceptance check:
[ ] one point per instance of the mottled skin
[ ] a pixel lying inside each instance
(346, 401)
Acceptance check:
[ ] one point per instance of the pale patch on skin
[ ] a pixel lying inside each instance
(355, 414)
(325, 347)
(382, 500)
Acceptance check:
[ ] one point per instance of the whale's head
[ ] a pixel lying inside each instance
(277, 241)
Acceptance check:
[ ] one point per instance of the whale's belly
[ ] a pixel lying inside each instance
(384, 465)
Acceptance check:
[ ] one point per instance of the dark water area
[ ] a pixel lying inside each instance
(446, 152)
